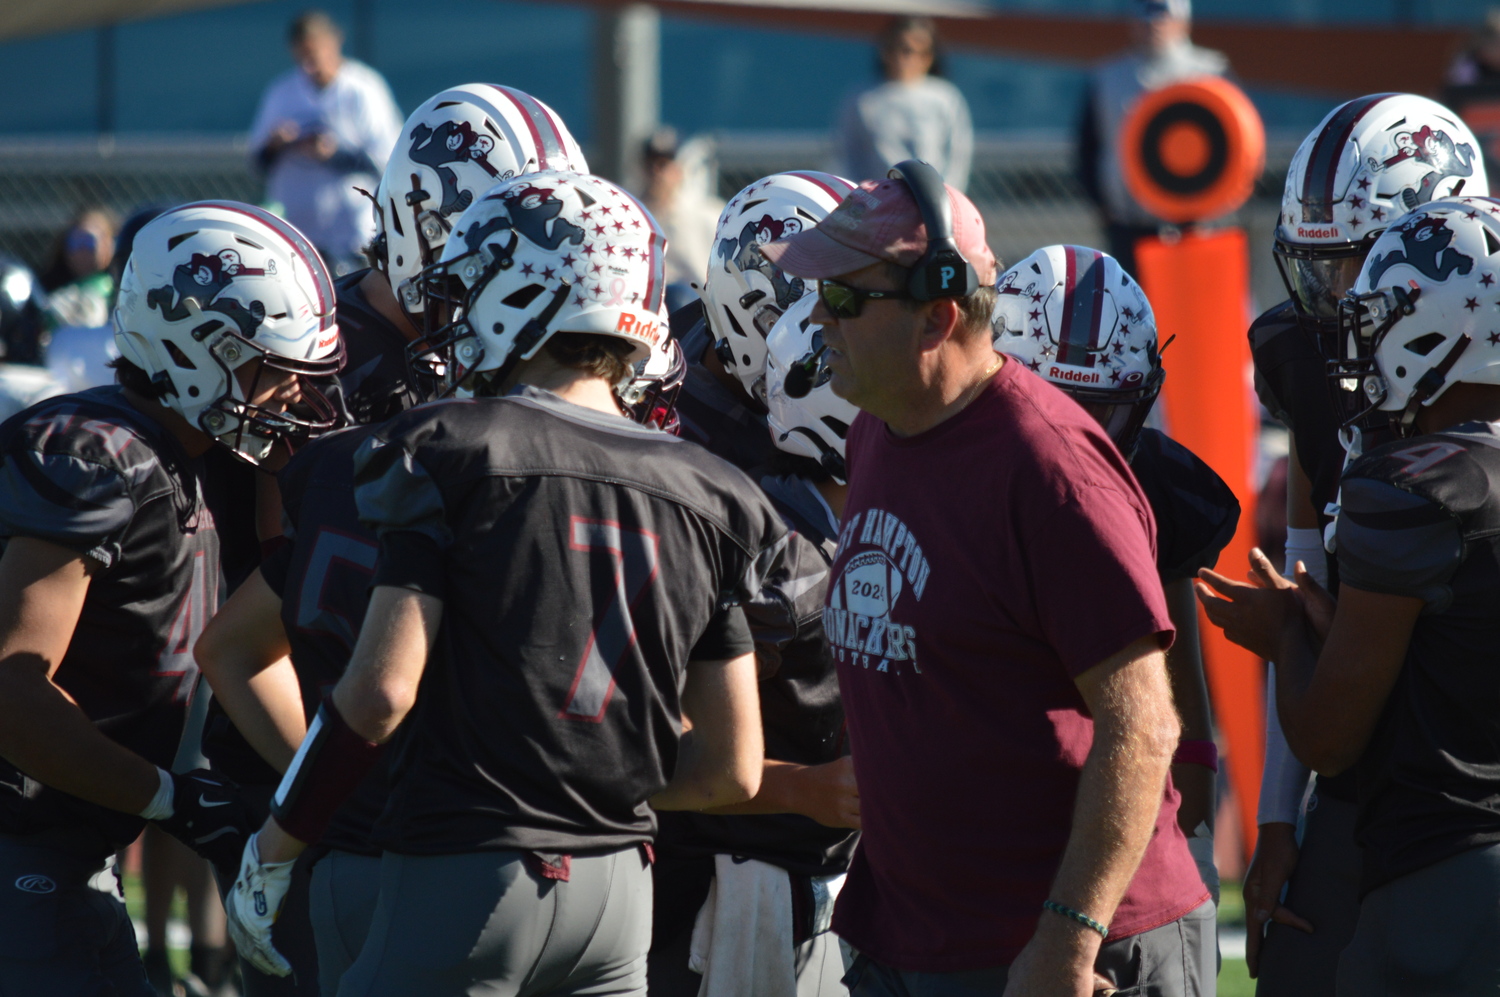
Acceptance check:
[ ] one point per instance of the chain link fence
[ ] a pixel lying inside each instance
(1024, 185)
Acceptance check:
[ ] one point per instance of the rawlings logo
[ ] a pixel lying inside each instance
(449, 143)
(35, 883)
(202, 280)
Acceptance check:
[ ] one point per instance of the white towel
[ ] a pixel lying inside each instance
(753, 955)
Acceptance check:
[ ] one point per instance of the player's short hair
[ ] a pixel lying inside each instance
(602, 356)
(975, 310)
(132, 378)
(309, 23)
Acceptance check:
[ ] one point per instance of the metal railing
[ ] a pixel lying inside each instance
(1023, 184)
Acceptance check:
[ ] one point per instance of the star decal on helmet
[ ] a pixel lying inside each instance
(1471, 303)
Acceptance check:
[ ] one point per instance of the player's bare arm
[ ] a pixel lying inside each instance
(1119, 792)
(42, 730)
(720, 758)
(244, 656)
(827, 793)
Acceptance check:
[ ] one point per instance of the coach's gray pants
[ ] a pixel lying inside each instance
(341, 902)
(483, 923)
(1178, 959)
(1432, 933)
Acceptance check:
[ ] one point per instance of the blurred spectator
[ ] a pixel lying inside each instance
(684, 208)
(1473, 88)
(23, 340)
(912, 115)
(1163, 54)
(79, 356)
(323, 129)
(76, 277)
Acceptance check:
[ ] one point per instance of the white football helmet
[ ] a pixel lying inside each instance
(1369, 162)
(538, 254)
(453, 148)
(1424, 313)
(1074, 316)
(746, 293)
(816, 424)
(213, 285)
(650, 397)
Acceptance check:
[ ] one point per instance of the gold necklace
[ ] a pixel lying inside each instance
(983, 380)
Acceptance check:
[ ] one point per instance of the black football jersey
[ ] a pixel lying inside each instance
(1196, 513)
(583, 560)
(322, 575)
(91, 473)
(1291, 381)
(1421, 517)
(375, 381)
(711, 415)
(801, 712)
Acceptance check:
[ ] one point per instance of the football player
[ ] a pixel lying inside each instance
(797, 833)
(110, 565)
(519, 602)
(1076, 318)
(1367, 164)
(1395, 682)
(451, 149)
(723, 401)
(308, 600)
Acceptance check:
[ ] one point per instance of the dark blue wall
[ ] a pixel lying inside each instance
(204, 72)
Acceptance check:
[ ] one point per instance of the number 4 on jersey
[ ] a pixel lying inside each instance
(633, 558)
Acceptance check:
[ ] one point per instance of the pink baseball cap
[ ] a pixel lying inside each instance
(879, 220)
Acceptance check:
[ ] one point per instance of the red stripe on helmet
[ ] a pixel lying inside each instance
(657, 245)
(816, 179)
(1327, 153)
(534, 114)
(322, 282)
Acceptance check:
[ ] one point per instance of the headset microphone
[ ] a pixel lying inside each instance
(803, 374)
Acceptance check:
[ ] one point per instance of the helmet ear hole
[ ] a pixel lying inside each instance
(1424, 345)
(178, 357)
(522, 297)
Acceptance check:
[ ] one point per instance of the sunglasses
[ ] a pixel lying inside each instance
(843, 301)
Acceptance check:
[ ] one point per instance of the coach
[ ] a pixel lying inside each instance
(999, 629)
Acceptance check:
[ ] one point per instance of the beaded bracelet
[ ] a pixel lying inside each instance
(1082, 919)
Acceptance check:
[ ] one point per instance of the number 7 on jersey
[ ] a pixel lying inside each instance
(634, 562)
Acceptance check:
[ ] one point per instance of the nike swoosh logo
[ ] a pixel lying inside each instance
(204, 802)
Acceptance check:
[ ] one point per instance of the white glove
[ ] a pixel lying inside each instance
(253, 904)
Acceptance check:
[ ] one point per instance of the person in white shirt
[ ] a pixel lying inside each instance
(912, 115)
(322, 130)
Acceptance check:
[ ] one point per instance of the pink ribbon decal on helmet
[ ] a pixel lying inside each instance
(616, 293)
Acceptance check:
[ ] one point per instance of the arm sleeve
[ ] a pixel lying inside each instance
(1306, 545)
(1396, 543)
(66, 500)
(1100, 535)
(727, 636)
(1283, 782)
(401, 503)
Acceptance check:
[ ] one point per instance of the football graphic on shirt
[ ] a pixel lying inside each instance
(870, 585)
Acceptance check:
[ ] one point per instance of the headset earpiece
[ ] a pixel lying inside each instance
(942, 272)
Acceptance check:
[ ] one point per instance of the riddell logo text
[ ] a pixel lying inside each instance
(1315, 232)
(1073, 375)
(641, 330)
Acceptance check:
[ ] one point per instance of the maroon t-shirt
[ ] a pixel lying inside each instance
(982, 566)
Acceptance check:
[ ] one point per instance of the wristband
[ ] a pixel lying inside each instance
(1074, 915)
(331, 763)
(160, 807)
(1205, 753)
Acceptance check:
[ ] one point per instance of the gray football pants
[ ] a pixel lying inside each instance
(1432, 933)
(341, 902)
(58, 934)
(482, 923)
(1178, 959)
(1325, 890)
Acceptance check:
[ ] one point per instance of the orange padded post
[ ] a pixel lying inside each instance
(1199, 289)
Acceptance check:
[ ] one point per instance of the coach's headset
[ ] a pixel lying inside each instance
(942, 272)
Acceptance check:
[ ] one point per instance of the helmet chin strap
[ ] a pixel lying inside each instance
(1430, 383)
